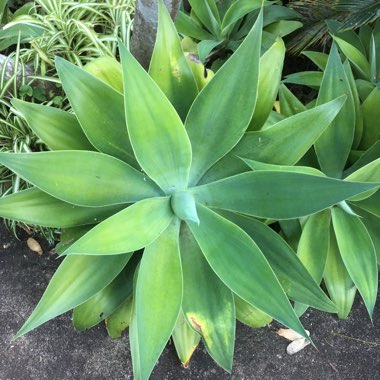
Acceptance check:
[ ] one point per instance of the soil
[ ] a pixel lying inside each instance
(347, 349)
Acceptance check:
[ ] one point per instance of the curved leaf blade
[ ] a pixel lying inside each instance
(27, 205)
(207, 303)
(313, 248)
(334, 145)
(99, 110)
(83, 178)
(58, 129)
(169, 67)
(225, 106)
(240, 264)
(76, 280)
(166, 154)
(338, 282)
(358, 254)
(131, 229)
(293, 276)
(284, 143)
(105, 302)
(277, 195)
(158, 299)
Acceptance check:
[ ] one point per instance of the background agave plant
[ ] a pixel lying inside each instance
(138, 169)
(347, 237)
(218, 27)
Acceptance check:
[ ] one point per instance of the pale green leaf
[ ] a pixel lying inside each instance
(313, 248)
(250, 315)
(225, 106)
(169, 67)
(277, 195)
(208, 14)
(105, 302)
(185, 340)
(119, 320)
(289, 103)
(82, 178)
(99, 110)
(207, 303)
(188, 27)
(271, 63)
(240, 264)
(358, 254)
(371, 117)
(338, 282)
(284, 143)
(131, 229)
(33, 206)
(318, 58)
(293, 276)
(158, 299)
(157, 134)
(58, 129)
(76, 280)
(334, 145)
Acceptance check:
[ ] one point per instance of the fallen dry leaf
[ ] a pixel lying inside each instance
(296, 346)
(290, 334)
(35, 246)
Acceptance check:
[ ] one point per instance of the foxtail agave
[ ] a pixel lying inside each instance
(140, 170)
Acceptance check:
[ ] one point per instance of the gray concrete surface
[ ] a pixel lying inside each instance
(347, 350)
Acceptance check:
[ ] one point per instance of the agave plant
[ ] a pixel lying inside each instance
(340, 245)
(150, 236)
(220, 26)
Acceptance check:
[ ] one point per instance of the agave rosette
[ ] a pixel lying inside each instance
(141, 171)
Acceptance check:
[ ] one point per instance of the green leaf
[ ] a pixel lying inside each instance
(158, 299)
(312, 79)
(318, 58)
(225, 106)
(313, 248)
(169, 67)
(334, 145)
(289, 103)
(188, 27)
(371, 116)
(367, 173)
(359, 123)
(338, 282)
(293, 277)
(58, 129)
(371, 204)
(205, 47)
(250, 315)
(183, 206)
(367, 157)
(358, 254)
(76, 280)
(356, 57)
(236, 11)
(119, 320)
(99, 109)
(166, 154)
(105, 302)
(240, 264)
(69, 236)
(118, 234)
(208, 14)
(258, 166)
(207, 303)
(33, 206)
(284, 143)
(282, 28)
(81, 178)
(185, 340)
(271, 64)
(255, 194)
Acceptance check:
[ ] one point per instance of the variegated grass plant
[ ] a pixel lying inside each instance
(159, 234)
